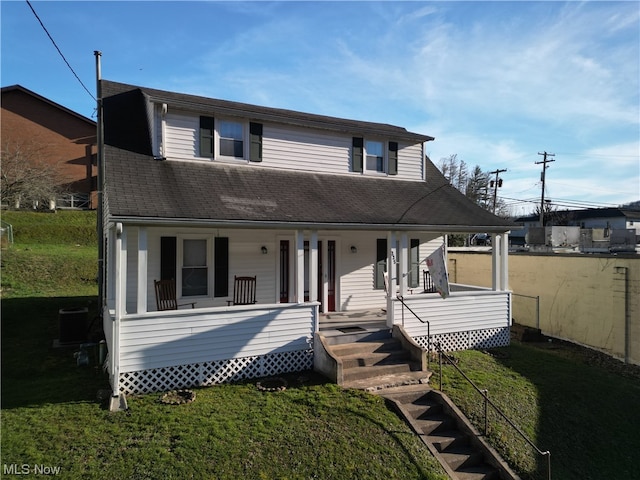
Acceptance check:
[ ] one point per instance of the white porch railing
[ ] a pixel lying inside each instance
(161, 350)
(471, 317)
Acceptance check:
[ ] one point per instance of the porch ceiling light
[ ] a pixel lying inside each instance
(264, 250)
(354, 249)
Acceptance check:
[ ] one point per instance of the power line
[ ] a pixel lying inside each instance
(58, 49)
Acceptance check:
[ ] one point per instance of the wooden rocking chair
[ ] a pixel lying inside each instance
(244, 291)
(166, 296)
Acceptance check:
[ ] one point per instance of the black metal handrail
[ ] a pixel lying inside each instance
(404, 305)
(487, 401)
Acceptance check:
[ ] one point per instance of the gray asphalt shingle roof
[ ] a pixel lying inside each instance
(259, 113)
(140, 187)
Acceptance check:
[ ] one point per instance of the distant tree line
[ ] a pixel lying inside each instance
(476, 184)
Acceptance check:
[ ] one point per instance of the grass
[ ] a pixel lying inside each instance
(579, 405)
(51, 415)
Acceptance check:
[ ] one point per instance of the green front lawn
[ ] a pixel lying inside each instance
(581, 406)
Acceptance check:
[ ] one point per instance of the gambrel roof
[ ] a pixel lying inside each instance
(144, 190)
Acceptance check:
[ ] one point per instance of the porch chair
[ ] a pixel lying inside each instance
(166, 296)
(244, 291)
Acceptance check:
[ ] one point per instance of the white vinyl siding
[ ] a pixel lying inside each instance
(182, 136)
(463, 311)
(357, 290)
(286, 147)
(304, 149)
(245, 259)
(354, 271)
(192, 336)
(410, 162)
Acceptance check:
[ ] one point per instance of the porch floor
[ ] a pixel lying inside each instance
(335, 324)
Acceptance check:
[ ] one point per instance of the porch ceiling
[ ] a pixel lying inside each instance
(144, 190)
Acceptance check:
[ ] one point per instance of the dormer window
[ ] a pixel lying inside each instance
(231, 139)
(228, 139)
(374, 156)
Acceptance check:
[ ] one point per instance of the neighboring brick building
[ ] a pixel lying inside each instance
(66, 140)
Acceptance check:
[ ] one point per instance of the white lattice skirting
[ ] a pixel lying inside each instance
(210, 373)
(475, 339)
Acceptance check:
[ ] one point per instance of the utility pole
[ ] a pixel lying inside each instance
(495, 184)
(542, 179)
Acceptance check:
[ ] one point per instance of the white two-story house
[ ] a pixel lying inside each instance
(324, 212)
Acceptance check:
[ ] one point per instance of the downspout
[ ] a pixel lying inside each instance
(118, 401)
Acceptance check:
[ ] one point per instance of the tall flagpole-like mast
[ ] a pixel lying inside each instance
(100, 181)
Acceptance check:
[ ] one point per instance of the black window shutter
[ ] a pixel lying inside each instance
(255, 142)
(393, 158)
(356, 153)
(414, 263)
(381, 262)
(206, 137)
(168, 258)
(221, 267)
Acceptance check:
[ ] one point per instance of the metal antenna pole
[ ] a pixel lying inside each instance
(100, 165)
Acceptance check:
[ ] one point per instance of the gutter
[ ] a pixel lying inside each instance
(285, 118)
(198, 222)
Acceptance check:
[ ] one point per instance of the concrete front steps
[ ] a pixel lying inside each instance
(375, 360)
(462, 451)
(376, 364)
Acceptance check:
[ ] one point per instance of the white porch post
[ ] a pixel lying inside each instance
(403, 259)
(111, 268)
(120, 275)
(142, 270)
(299, 267)
(313, 267)
(504, 274)
(495, 261)
(391, 275)
(121, 271)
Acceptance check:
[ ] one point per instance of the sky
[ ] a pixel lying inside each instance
(496, 83)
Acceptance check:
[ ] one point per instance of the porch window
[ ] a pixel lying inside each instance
(194, 265)
(195, 272)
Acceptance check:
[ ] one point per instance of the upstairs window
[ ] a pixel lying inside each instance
(231, 139)
(227, 139)
(374, 156)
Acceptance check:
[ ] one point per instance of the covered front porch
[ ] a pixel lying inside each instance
(329, 284)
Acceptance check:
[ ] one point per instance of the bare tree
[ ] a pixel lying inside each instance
(474, 184)
(550, 211)
(26, 178)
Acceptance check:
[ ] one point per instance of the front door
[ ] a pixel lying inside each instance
(326, 274)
